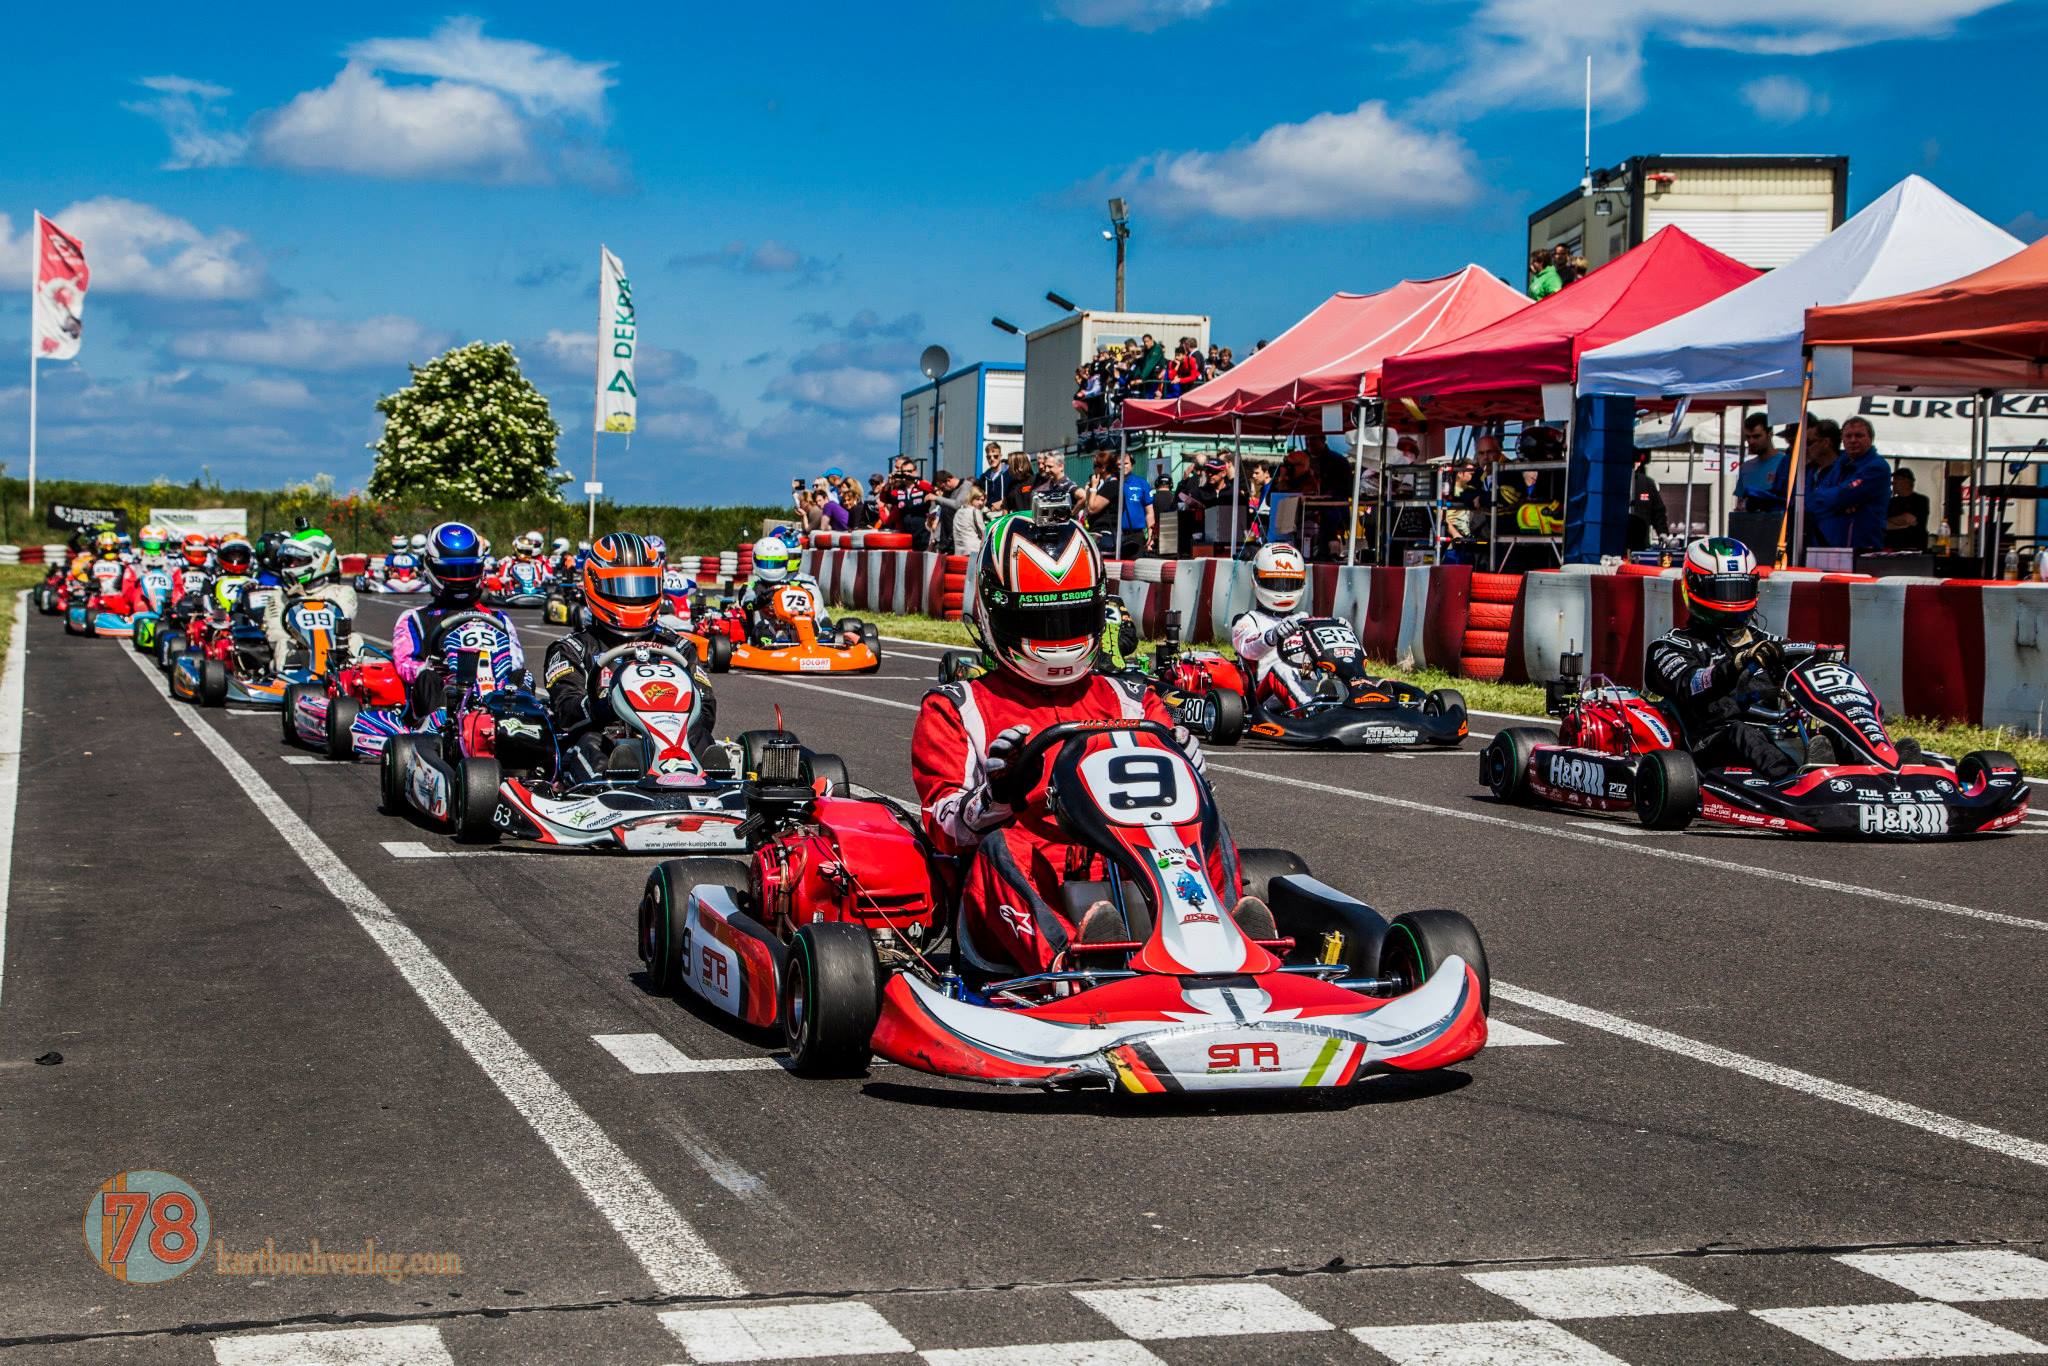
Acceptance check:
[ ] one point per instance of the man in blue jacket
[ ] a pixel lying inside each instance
(1850, 498)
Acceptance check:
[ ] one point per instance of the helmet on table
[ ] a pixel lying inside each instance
(1279, 575)
(236, 556)
(419, 541)
(307, 557)
(658, 547)
(195, 549)
(453, 562)
(1720, 583)
(621, 584)
(771, 559)
(1038, 606)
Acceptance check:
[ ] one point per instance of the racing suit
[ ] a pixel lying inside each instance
(333, 592)
(119, 588)
(576, 699)
(754, 600)
(1256, 636)
(409, 658)
(1012, 886)
(1699, 674)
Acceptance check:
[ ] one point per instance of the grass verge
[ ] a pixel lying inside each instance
(14, 578)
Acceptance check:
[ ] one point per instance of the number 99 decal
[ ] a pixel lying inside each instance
(1141, 786)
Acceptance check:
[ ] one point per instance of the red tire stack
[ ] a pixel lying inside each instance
(1484, 655)
(953, 587)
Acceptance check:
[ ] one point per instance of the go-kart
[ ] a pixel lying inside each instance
(668, 785)
(353, 710)
(782, 637)
(53, 592)
(227, 658)
(843, 929)
(1614, 750)
(147, 626)
(678, 600)
(398, 574)
(517, 583)
(94, 610)
(449, 769)
(564, 597)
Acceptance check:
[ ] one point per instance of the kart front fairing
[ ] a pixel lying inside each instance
(1358, 725)
(1913, 802)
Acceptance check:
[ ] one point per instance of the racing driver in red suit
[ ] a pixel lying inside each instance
(1038, 617)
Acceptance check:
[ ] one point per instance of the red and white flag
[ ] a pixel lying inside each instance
(61, 278)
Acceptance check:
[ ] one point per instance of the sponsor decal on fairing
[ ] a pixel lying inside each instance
(1912, 818)
(1578, 775)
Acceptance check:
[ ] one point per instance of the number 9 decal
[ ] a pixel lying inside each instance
(1142, 786)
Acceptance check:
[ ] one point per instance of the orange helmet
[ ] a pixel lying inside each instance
(195, 549)
(621, 583)
(213, 540)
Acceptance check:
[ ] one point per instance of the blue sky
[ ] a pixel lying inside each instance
(285, 205)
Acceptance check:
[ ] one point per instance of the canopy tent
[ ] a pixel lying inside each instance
(1987, 330)
(1326, 356)
(1499, 371)
(1748, 341)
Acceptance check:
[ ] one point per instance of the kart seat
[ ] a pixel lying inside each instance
(628, 759)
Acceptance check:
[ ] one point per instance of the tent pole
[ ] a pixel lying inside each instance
(1383, 530)
(1357, 478)
(1123, 449)
(1721, 483)
(1986, 542)
(1236, 480)
(1692, 449)
(1794, 524)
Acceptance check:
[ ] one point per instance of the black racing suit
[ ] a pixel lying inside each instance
(1701, 672)
(576, 700)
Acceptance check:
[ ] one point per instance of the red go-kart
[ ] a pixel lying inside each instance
(842, 929)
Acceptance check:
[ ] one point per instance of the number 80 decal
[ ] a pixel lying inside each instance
(146, 1226)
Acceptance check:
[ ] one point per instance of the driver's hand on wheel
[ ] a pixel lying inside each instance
(1191, 747)
(1274, 634)
(1002, 753)
(985, 809)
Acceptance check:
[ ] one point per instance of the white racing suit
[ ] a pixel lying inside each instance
(333, 592)
(1256, 637)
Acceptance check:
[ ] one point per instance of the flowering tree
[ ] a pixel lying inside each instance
(469, 429)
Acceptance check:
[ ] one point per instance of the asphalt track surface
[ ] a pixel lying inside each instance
(1749, 1099)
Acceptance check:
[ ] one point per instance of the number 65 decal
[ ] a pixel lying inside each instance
(1142, 786)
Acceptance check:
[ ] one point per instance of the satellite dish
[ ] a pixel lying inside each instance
(934, 362)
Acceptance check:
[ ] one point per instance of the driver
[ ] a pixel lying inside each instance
(454, 570)
(1038, 616)
(155, 547)
(309, 568)
(1702, 667)
(774, 567)
(190, 576)
(1266, 637)
(621, 594)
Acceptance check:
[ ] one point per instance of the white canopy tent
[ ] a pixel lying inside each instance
(1747, 345)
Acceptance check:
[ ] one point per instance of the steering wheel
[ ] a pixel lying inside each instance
(650, 648)
(1012, 785)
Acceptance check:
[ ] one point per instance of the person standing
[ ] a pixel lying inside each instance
(949, 494)
(1760, 481)
(1905, 526)
(970, 523)
(1053, 483)
(1543, 281)
(1646, 511)
(1150, 371)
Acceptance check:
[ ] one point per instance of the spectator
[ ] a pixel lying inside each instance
(1297, 475)
(993, 473)
(1646, 511)
(1098, 503)
(949, 496)
(1192, 501)
(832, 512)
(906, 501)
(1017, 486)
(1186, 371)
(1905, 526)
(1258, 501)
(970, 523)
(1850, 501)
(1823, 441)
(1568, 268)
(808, 512)
(1052, 481)
(1760, 482)
(1213, 362)
(1150, 370)
(1139, 518)
(1226, 361)
(1543, 281)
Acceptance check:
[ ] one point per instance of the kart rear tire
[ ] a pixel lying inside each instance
(398, 756)
(719, 649)
(1504, 763)
(1909, 751)
(661, 925)
(871, 638)
(476, 799)
(1978, 765)
(831, 1000)
(1667, 790)
(213, 683)
(168, 647)
(1226, 705)
(291, 725)
(832, 769)
(341, 720)
(1258, 868)
(1418, 943)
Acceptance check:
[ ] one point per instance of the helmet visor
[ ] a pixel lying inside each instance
(235, 558)
(629, 587)
(1281, 580)
(1722, 592)
(1070, 619)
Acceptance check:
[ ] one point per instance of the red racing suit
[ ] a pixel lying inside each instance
(1012, 885)
(119, 589)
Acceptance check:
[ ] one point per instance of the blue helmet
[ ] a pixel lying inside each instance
(454, 561)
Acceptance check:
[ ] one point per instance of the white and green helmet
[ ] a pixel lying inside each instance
(1038, 602)
(308, 557)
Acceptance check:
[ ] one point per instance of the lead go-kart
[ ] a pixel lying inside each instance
(517, 583)
(782, 637)
(1614, 750)
(842, 929)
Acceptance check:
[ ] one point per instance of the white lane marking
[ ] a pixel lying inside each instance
(676, 1257)
(1614, 827)
(1898, 1332)
(1960, 1276)
(785, 1332)
(13, 696)
(415, 849)
(1501, 1034)
(842, 692)
(1597, 1292)
(408, 1345)
(1515, 1342)
(1805, 1083)
(308, 760)
(1645, 850)
(1202, 1311)
(650, 1054)
(1108, 1352)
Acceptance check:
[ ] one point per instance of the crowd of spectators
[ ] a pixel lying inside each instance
(1854, 499)
(1138, 369)
(1551, 271)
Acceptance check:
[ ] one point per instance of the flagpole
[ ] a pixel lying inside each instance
(33, 258)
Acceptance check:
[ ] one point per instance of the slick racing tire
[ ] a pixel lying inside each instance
(476, 799)
(661, 926)
(1418, 943)
(286, 712)
(213, 683)
(73, 628)
(1504, 763)
(1667, 790)
(46, 601)
(169, 646)
(832, 769)
(871, 638)
(398, 757)
(719, 648)
(1226, 706)
(1977, 766)
(1444, 702)
(831, 999)
(1258, 868)
(341, 720)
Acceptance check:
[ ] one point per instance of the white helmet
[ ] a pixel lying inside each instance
(397, 544)
(771, 559)
(658, 546)
(418, 542)
(1279, 575)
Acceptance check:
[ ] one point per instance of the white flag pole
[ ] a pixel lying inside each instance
(597, 398)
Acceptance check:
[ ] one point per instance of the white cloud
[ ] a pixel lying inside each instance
(542, 80)
(844, 389)
(1531, 53)
(1783, 99)
(137, 248)
(316, 344)
(576, 353)
(361, 126)
(767, 257)
(1362, 163)
(1142, 16)
(189, 112)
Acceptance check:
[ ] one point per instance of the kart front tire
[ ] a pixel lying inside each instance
(871, 638)
(213, 683)
(1978, 765)
(1259, 867)
(1667, 792)
(398, 757)
(661, 926)
(1419, 943)
(1444, 702)
(169, 646)
(476, 799)
(1226, 705)
(341, 720)
(1504, 763)
(831, 1000)
(719, 648)
(288, 713)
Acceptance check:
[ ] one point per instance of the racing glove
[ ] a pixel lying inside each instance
(1191, 747)
(984, 810)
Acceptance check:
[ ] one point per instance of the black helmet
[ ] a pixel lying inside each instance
(1720, 583)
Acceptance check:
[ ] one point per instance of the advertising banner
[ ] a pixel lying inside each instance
(617, 336)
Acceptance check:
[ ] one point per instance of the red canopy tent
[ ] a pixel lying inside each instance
(1498, 371)
(1325, 354)
(1985, 331)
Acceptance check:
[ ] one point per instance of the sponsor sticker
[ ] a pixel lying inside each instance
(813, 665)
(1578, 775)
(1915, 818)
